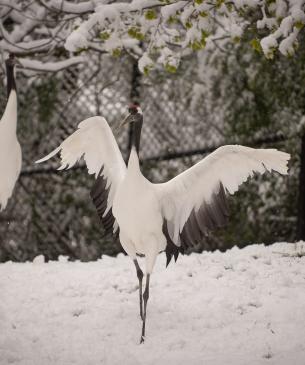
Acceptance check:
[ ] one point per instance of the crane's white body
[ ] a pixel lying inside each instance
(139, 207)
(137, 210)
(10, 151)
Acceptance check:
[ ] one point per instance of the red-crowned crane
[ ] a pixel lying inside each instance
(10, 151)
(166, 217)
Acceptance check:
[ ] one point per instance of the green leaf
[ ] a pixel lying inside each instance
(299, 25)
(203, 43)
(230, 7)
(204, 34)
(147, 70)
(219, 3)
(170, 68)
(172, 19)
(134, 32)
(270, 54)
(81, 50)
(198, 45)
(116, 52)
(198, 2)
(150, 14)
(104, 36)
(255, 43)
(203, 14)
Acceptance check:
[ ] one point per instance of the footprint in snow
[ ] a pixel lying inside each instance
(78, 312)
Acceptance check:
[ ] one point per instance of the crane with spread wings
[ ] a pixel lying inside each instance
(151, 218)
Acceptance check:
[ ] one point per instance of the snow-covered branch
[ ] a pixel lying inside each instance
(34, 65)
(72, 8)
(169, 29)
(31, 29)
(156, 31)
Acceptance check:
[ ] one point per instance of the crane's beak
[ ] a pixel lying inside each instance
(128, 119)
(17, 62)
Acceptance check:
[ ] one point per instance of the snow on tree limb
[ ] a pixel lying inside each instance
(155, 31)
(51, 66)
(164, 25)
(70, 8)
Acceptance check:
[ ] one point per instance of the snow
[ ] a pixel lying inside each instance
(268, 43)
(51, 66)
(172, 9)
(145, 62)
(81, 24)
(287, 46)
(83, 7)
(240, 307)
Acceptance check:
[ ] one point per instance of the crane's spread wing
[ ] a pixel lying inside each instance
(10, 151)
(94, 141)
(194, 202)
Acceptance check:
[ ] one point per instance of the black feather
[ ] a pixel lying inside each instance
(209, 217)
(99, 195)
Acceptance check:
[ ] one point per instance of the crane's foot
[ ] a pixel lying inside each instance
(142, 339)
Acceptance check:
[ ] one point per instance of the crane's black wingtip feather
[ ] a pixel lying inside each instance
(171, 249)
(99, 195)
(168, 259)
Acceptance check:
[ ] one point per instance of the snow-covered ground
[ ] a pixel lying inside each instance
(240, 307)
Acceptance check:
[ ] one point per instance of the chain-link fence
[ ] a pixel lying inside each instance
(51, 212)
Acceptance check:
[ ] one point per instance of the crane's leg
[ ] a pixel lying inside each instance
(140, 277)
(145, 297)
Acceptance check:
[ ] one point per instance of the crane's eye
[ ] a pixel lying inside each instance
(133, 109)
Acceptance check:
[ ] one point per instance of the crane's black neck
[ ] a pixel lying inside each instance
(11, 83)
(135, 132)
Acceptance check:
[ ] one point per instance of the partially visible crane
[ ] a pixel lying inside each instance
(169, 217)
(10, 151)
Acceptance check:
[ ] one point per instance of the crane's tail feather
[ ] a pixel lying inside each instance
(50, 155)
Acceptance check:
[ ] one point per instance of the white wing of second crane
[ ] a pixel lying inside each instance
(94, 141)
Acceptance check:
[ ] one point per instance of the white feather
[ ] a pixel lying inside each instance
(230, 165)
(10, 151)
(50, 155)
(94, 141)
